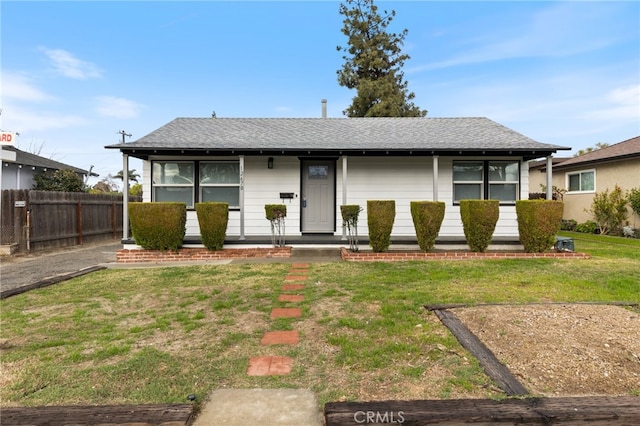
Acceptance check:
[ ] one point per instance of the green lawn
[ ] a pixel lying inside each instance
(158, 335)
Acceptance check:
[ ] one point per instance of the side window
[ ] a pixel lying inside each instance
(583, 181)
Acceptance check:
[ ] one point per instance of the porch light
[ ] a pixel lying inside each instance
(270, 163)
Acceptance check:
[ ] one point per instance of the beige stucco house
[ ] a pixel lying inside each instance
(596, 171)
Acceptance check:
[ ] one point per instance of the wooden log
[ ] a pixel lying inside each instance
(491, 365)
(597, 410)
(49, 281)
(141, 415)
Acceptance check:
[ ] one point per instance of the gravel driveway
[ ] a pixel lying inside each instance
(19, 271)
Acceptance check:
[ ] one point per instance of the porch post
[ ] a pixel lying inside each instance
(344, 192)
(125, 196)
(242, 237)
(549, 178)
(435, 177)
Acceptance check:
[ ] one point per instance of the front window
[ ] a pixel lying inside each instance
(584, 181)
(497, 180)
(173, 181)
(191, 182)
(220, 181)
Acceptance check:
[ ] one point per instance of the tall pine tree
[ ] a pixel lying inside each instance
(373, 64)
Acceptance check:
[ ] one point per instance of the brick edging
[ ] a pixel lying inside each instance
(194, 254)
(451, 255)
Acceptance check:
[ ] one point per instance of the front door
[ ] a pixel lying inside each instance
(318, 196)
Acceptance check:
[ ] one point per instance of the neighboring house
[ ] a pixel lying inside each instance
(595, 171)
(314, 165)
(17, 168)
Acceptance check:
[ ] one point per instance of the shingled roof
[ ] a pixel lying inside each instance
(32, 160)
(620, 151)
(317, 136)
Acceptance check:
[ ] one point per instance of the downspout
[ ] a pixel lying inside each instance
(242, 237)
(549, 177)
(344, 192)
(435, 177)
(125, 196)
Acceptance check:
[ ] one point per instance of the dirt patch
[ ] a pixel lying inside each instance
(563, 349)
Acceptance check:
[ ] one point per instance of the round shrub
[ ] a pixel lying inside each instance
(538, 223)
(158, 226)
(427, 219)
(213, 219)
(479, 218)
(380, 217)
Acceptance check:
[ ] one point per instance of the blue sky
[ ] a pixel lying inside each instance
(75, 73)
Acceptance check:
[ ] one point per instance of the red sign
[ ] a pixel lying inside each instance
(7, 138)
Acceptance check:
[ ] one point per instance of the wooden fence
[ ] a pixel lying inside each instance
(39, 220)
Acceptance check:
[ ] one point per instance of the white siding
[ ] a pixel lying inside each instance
(403, 179)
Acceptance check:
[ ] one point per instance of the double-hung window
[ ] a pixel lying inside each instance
(192, 182)
(583, 181)
(478, 180)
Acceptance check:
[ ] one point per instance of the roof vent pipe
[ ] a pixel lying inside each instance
(324, 108)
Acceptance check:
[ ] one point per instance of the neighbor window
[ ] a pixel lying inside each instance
(584, 181)
(497, 180)
(192, 182)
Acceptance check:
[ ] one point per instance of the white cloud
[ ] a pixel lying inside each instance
(20, 87)
(111, 106)
(621, 103)
(70, 66)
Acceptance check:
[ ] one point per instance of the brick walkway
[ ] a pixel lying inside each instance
(280, 365)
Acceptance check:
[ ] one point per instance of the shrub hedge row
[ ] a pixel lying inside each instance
(213, 219)
(538, 223)
(158, 226)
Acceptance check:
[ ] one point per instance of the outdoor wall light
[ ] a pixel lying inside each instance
(270, 163)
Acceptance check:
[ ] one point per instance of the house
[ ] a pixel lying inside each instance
(17, 168)
(314, 165)
(596, 171)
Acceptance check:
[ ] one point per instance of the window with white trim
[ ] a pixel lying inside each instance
(192, 182)
(497, 180)
(582, 181)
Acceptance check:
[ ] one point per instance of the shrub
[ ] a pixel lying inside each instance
(479, 218)
(634, 200)
(158, 226)
(538, 223)
(213, 219)
(350, 215)
(380, 217)
(427, 219)
(276, 213)
(609, 209)
(588, 227)
(568, 225)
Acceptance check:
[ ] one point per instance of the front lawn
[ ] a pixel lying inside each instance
(158, 335)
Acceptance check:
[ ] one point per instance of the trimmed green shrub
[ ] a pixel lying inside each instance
(479, 218)
(538, 223)
(276, 213)
(380, 217)
(350, 215)
(158, 226)
(568, 225)
(213, 219)
(427, 219)
(609, 209)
